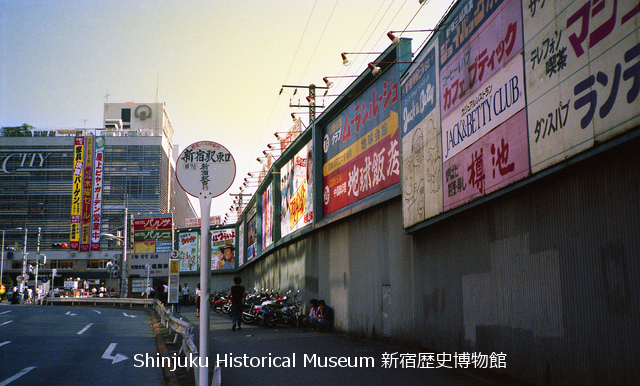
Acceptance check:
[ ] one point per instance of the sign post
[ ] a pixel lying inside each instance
(205, 170)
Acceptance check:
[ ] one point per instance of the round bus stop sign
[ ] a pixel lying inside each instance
(205, 169)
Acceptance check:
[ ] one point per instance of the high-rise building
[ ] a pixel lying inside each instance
(40, 191)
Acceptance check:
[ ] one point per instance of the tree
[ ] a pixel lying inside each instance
(17, 131)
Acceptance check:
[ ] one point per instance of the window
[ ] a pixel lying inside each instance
(126, 115)
(62, 264)
(97, 263)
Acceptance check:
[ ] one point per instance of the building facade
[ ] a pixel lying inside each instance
(37, 192)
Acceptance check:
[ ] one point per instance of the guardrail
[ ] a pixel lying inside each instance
(183, 329)
(99, 301)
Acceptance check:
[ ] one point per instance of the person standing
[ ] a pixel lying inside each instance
(237, 296)
(185, 295)
(198, 294)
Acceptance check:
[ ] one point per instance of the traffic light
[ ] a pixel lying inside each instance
(59, 245)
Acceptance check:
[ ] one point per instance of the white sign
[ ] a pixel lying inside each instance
(205, 169)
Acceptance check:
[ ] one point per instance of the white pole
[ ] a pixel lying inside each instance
(205, 273)
(125, 286)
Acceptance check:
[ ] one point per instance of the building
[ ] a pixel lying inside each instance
(37, 189)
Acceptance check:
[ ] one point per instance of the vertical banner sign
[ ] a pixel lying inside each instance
(252, 231)
(223, 249)
(360, 147)
(189, 251)
(296, 192)
(267, 216)
(76, 194)
(97, 194)
(174, 280)
(421, 139)
(482, 85)
(152, 244)
(582, 63)
(87, 192)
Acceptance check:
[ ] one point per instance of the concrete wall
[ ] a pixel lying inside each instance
(547, 274)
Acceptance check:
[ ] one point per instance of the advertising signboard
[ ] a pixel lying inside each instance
(96, 212)
(582, 75)
(421, 139)
(360, 147)
(76, 193)
(189, 251)
(152, 244)
(223, 249)
(296, 184)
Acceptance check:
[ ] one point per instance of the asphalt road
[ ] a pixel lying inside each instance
(77, 346)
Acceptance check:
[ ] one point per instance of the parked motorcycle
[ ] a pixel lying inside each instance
(283, 310)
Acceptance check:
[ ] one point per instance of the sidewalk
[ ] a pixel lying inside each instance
(284, 355)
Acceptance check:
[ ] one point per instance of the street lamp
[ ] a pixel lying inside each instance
(2, 259)
(123, 278)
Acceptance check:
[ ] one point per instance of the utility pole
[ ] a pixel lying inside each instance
(311, 99)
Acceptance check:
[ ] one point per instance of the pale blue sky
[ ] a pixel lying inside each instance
(218, 65)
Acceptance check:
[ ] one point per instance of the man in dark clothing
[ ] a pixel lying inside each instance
(324, 320)
(237, 296)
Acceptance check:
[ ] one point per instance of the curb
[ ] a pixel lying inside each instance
(169, 376)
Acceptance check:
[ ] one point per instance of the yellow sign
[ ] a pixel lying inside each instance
(373, 137)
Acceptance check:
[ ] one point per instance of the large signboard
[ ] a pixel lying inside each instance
(96, 212)
(87, 195)
(223, 249)
(296, 184)
(360, 147)
(268, 210)
(421, 139)
(252, 234)
(482, 90)
(189, 251)
(76, 194)
(583, 75)
(152, 244)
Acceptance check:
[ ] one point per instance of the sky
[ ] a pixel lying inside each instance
(219, 65)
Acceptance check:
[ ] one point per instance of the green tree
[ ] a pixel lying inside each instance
(17, 131)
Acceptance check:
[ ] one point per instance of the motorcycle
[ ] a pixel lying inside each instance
(284, 310)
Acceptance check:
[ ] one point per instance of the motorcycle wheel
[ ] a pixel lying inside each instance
(271, 321)
(247, 318)
(292, 322)
(217, 309)
(260, 321)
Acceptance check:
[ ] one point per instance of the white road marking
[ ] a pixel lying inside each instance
(129, 316)
(21, 373)
(107, 355)
(6, 312)
(5, 343)
(85, 329)
(7, 322)
(70, 313)
(98, 312)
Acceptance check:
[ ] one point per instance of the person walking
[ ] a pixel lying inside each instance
(237, 296)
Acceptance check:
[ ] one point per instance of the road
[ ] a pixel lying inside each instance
(77, 346)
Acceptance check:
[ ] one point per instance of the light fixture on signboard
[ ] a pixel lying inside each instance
(395, 39)
(330, 83)
(375, 70)
(346, 61)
